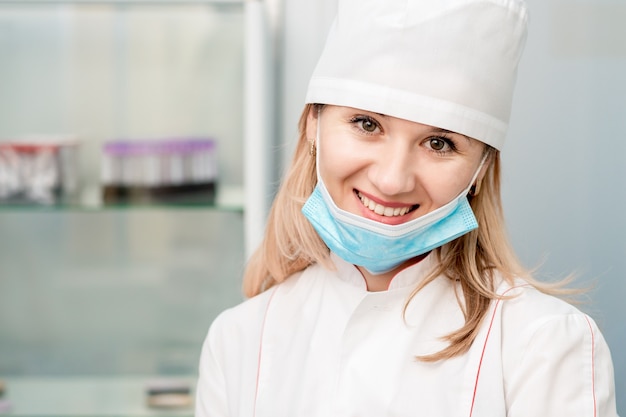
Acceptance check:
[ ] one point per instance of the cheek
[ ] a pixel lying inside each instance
(337, 158)
(444, 185)
(332, 169)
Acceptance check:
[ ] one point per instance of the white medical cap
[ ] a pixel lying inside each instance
(446, 63)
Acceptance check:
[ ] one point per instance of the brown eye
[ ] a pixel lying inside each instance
(437, 144)
(368, 125)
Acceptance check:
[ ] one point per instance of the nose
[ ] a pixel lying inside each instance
(393, 171)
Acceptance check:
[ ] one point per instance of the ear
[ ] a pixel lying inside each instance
(311, 124)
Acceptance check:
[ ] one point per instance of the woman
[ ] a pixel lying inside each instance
(385, 285)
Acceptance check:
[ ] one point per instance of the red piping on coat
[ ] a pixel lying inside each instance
(482, 355)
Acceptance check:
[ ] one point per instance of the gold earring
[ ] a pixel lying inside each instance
(312, 149)
(474, 189)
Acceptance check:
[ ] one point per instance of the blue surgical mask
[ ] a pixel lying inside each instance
(380, 247)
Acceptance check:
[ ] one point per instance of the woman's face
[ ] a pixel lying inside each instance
(387, 169)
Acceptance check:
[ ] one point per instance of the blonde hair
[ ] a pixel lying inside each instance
(291, 244)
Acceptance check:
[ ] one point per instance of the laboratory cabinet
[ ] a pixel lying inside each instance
(102, 304)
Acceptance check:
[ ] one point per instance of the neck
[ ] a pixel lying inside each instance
(381, 282)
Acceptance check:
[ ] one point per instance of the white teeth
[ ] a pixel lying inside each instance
(382, 210)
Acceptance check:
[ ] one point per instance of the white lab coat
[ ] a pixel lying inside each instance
(321, 345)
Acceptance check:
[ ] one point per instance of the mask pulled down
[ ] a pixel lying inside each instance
(379, 247)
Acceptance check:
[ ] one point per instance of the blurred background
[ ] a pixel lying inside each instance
(116, 252)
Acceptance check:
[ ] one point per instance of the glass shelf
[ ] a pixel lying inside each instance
(69, 397)
(228, 199)
(146, 71)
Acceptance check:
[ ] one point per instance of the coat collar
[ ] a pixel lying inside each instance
(407, 278)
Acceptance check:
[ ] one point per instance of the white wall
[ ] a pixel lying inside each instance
(564, 175)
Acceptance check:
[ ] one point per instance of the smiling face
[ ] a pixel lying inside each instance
(391, 170)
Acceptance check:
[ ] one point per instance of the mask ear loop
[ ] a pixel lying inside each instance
(317, 144)
(472, 189)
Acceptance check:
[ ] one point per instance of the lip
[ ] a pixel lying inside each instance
(391, 220)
